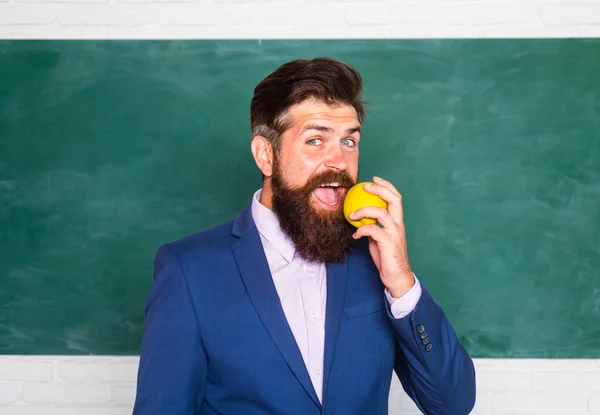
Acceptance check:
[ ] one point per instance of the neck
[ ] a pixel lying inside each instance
(266, 196)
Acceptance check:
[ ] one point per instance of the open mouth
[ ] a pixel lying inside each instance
(329, 195)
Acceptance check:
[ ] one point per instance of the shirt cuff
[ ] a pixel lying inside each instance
(401, 307)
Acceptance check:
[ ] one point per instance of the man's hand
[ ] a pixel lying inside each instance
(387, 245)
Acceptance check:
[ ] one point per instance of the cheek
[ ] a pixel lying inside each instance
(299, 168)
(352, 164)
(308, 166)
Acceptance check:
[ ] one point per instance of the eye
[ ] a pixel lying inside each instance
(348, 142)
(314, 141)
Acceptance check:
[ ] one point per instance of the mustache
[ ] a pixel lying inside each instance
(330, 176)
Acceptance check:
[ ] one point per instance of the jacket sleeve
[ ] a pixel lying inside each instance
(172, 369)
(434, 368)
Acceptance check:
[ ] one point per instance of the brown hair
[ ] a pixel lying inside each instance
(323, 79)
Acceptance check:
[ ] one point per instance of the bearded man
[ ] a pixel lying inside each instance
(288, 309)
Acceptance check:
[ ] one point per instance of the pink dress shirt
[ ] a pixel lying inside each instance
(302, 290)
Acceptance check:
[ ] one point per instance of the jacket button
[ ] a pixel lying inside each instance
(425, 340)
(428, 347)
(420, 328)
(423, 335)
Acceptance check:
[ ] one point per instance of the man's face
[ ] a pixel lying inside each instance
(316, 164)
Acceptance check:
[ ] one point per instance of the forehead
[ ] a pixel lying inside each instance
(312, 112)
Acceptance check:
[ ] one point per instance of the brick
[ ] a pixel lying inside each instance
(399, 402)
(29, 358)
(570, 13)
(483, 404)
(387, 14)
(507, 32)
(26, 370)
(10, 392)
(97, 372)
(243, 32)
(62, 1)
(297, 14)
(477, 13)
(502, 380)
(581, 381)
(123, 394)
(197, 14)
(27, 410)
(58, 32)
(405, 412)
(243, 1)
(591, 31)
(551, 364)
(152, 32)
(415, 412)
(104, 15)
(15, 14)
(481, 364)
(403, 404)
(594, 405)
(65, 394)
(340, 32)
(355, 1)
(566, 386)
(172, 2)
(196, 32)
(539, 403)
(435, 31)
(395, 384)
(86, 410)
(47, 410)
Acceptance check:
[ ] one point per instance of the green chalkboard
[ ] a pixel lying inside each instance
(110, 148)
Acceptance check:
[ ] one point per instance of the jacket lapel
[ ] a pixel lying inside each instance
(254, 269)
(336, 290)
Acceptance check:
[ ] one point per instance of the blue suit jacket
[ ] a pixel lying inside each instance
(216, 340)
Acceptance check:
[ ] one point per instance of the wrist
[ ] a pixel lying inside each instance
(403, 286)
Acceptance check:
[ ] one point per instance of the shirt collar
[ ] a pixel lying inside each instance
(267, 225)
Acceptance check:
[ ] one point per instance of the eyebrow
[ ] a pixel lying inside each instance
(325, 129)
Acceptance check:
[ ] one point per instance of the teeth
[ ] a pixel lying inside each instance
(335, 184)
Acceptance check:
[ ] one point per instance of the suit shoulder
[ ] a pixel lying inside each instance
(213, 239)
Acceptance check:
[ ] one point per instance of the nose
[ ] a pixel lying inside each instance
(336, 159)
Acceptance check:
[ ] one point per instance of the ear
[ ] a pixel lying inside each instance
(263, 154)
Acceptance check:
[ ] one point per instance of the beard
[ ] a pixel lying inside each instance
(319, 235)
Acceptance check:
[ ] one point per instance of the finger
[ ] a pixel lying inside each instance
(382, 216)
(393, 200)
(373, 231)
(383, 192)
(386, 184)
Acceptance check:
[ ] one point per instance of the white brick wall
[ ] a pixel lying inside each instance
(50, 385)
(90, 385)
(98, 19)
